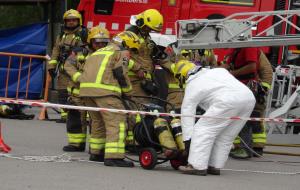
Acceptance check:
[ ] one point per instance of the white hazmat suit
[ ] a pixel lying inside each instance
(220, 95)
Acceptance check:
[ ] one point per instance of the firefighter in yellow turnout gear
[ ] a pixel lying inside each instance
(176, 87)
(103, 81)
(257, 137)
(72, 36)
(77, 126)
(265, 73)
(142, 64)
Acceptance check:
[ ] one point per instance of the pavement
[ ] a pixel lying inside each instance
(46, 138)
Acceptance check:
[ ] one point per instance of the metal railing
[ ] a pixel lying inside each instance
(22, 58)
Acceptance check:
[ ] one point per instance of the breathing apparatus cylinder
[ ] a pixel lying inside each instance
(177, 133)
(164, 136)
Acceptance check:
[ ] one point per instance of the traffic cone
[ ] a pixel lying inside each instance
(3, 147)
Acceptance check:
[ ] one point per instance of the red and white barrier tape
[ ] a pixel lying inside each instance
(135, 112)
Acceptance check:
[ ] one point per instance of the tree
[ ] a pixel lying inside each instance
(18, 15)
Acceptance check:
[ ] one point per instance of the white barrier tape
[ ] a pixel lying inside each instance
(60, 158)
(135, 112)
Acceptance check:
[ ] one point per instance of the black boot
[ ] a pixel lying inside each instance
(118, 163)
(72, 148)
(213, 171)
(97, 157)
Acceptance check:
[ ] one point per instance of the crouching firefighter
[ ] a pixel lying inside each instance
(220, 95)
(72, 35)
(102, 83)
(77, 120)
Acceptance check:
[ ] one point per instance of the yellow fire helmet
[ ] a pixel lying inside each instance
(151, 18)
(69, 14)
(128, 39)
(182, 68)
(184, 51)
(101, 34)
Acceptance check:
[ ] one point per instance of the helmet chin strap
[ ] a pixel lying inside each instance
(181, 81)
(143, 33)
(121, 45)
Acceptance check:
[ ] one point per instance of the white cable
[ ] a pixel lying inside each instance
(60, 158)
(66, 158)
(267, 159)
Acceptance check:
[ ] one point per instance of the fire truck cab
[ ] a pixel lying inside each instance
(115, 14)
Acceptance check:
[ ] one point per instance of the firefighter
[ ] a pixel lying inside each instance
(265, 75)
(141, 64)
(77, 127)
(185, 54)
(204, 57)
(242, 64)
(221, 95)
(253, 134)
(102, 83)
(72, 35)
(142, 25)
(175, 88)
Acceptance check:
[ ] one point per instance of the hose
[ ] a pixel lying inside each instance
(260, 156)
(281, 153)
(284, 145)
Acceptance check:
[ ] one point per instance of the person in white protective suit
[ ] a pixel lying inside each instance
(221, 95)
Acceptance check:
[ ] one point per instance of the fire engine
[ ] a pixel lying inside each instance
(115, 14)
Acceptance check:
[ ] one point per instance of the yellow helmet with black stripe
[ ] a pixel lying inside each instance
(182, 68)
(128, 39)
(71, 14)
(101, 34)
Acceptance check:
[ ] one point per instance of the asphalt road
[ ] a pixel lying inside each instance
(45, 138)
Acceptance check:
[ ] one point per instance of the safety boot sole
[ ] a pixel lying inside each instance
(70, 148)
(118, 163)
(191, 171)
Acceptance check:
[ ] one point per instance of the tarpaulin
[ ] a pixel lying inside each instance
(29, 39)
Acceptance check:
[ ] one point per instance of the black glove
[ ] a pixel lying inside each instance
(52, 72)
(149, 87)
(70, 101)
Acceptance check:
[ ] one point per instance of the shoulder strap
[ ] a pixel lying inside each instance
(84, 34)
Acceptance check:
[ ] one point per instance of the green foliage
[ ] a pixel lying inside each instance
(72, 4)
(18, 15)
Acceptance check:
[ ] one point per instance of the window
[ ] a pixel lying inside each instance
(232, 2)
(104, 7)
